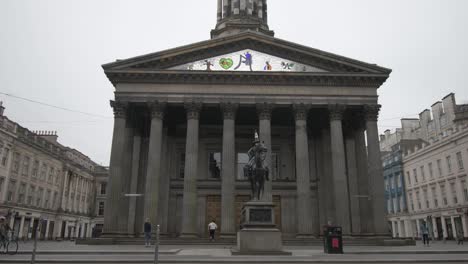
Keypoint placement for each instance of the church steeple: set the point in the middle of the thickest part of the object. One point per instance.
(235, 16)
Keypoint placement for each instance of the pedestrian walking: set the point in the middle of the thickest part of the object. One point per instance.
(147, 230)
(425, 234)
(212, 228)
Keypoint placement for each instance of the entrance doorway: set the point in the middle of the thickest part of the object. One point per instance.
(439, 230)
(449, 228)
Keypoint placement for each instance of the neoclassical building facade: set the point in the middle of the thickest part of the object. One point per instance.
(185, 118)
(45, 184)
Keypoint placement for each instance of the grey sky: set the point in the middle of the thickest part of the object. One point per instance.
(51, 51)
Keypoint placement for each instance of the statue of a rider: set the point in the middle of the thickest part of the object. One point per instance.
(256, 170)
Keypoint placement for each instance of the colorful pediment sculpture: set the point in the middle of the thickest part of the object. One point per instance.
(247, 60)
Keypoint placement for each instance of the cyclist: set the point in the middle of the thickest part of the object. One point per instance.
(4, 228)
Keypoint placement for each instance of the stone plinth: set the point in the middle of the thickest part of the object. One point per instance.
(259, 235)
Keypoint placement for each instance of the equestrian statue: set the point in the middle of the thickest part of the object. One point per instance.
(256, 170)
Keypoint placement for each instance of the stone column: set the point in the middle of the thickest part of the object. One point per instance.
(189, 204)
(418, 228)
(454, 228)
(228, 167)
(220, 10)
(464, 225)
(30, 229)
(133, 183)
(444, 228)
(114, 185)
(304, 206)
(46, 236)
(353, 185)
(264, 115)
(363, 180)
(340, 182)
(435, 232)
(65, 235)
(375, 170)
(153, 172)
(21, 228)
(66, 179)
(75, 203)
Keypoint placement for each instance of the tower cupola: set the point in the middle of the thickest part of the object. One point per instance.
(235, 16)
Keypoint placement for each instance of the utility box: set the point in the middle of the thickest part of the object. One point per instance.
(333, 240)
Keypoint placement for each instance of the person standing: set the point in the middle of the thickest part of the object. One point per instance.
(425, 233)
(212, 228)
(147, 230)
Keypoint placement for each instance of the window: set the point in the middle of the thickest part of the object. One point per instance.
(32, 190)
(431, 173)
(35, 168)
(2, 180)
(460, 161)
(50, 178)
(418, 199)
(11, 190)
(444, 194)
(454, 193)
(409, 177)
(465, 191)
(410, 196)
(275, 166)
(426, 198)
(21, 192)
(42, 176)
(26, 161)
(47, 199)
(101, 208)
(439, 167)
(6, 152)
(103, 188)
(434, 195)
(54, 200)
(422, 173)
(415, 173)
(39, 197)
(449, 164)
(242, 160)
(398, 177)
(214, 165)
(181, 165)
(16, 162)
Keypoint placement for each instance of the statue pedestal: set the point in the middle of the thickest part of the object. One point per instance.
(258, 234)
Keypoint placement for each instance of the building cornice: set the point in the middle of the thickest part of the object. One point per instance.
(370, 80)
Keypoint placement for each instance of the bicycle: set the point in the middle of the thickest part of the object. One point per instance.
(9, 245)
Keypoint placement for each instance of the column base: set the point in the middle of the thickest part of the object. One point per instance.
(311, 236)
(228, 235)
(189, 235)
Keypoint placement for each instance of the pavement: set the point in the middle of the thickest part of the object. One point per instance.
(68, 253)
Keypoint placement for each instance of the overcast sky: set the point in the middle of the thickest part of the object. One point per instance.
(52, 51)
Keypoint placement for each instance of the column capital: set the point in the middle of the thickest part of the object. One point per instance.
(157, 109)
(120, 108)
(300, 111)
(372, 112)
(193, 109)
(229, 110)
(336, 111)
(264, 110)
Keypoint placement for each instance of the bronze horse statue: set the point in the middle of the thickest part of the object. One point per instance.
(256, 170)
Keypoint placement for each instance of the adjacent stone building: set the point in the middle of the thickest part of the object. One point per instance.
(185, 118)
(434, 169)
(42, 179)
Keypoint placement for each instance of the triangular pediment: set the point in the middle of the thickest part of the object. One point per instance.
(265, 49)
(246, 60)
